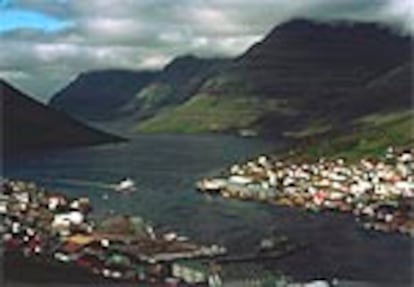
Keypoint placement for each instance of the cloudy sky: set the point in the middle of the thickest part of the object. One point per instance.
(44, 44)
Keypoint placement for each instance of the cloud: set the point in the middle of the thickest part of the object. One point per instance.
(148, 33)
(400, 11)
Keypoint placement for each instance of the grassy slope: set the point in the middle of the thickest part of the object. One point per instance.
(205, 113)
(370, 136)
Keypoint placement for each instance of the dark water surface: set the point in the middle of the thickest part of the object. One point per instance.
(165, 168)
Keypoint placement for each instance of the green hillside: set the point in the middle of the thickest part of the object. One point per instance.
(370, 135)
(205, 113)
(304, 79)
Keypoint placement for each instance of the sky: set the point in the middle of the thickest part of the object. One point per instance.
(45, 44)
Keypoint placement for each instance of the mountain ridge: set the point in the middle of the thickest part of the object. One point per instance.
(101, 95)
(28, 124)
(97, 95)
(302, 72)
(175, 84)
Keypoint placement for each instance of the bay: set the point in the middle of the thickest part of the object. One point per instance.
(166, 167)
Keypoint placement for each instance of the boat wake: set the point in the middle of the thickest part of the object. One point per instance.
(81, 183)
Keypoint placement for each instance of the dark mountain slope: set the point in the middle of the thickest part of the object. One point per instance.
(308, 59)
(390, 92)
(27, 124)
(99, 95)
(303, 74)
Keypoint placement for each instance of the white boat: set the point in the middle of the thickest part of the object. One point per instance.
(210, 185)
(126, 184)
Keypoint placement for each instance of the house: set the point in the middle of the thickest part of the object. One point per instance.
(190, 271)
(4, 199)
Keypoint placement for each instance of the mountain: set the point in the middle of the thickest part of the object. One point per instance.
(99, 95)
(304, 75)
(175, 84)
(28, 124)
(105, 96)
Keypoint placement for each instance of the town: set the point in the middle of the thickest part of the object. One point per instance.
(49, 225)
(378, 192)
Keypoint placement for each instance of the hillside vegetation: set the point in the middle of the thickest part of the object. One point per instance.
(370, 136)
(214, 114)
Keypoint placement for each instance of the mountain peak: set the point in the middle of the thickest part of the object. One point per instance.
(334, 28)
(187, 61)
(362, 40)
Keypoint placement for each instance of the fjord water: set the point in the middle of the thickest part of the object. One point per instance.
(165, 168)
